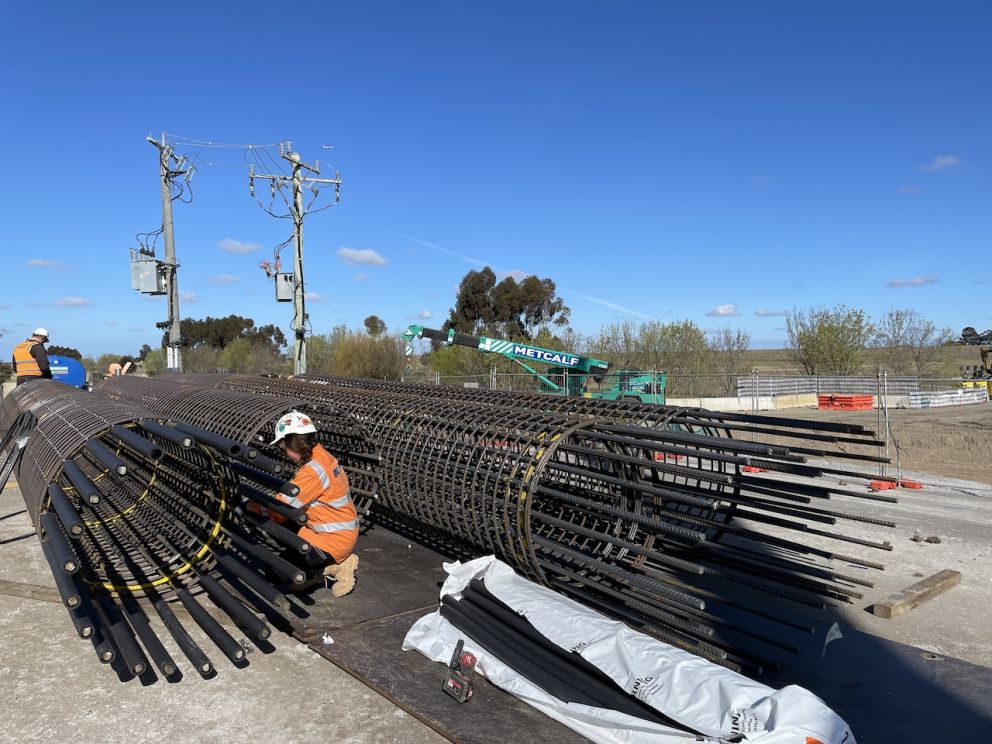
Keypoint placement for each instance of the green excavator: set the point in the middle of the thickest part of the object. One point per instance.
(571, 374)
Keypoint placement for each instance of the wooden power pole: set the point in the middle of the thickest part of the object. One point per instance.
(297, 211)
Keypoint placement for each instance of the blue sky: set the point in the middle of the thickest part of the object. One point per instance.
(717, 161)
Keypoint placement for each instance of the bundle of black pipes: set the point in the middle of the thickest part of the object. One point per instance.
(135, 510)
(245, 417)
(654, 521)
(563, 674)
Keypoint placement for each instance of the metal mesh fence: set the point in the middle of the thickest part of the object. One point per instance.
(675, 387)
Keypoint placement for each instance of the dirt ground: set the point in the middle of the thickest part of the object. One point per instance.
(951, 442)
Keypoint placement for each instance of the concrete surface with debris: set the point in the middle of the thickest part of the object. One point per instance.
(54, 689)
(878, 672)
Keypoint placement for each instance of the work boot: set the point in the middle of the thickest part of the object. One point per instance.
(344, 575)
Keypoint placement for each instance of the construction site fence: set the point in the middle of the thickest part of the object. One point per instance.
(702, 386)
(681, 386)
(824, 385)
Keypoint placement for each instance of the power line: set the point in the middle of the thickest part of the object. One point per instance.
(207, 143)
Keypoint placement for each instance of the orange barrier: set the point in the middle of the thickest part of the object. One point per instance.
(846, 402)
(662, 456)
(906, 483)
(877, 485)
(752, 469)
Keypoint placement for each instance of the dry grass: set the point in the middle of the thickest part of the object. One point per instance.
(781, 361)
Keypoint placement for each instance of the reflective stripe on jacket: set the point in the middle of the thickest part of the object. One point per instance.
(325, 494)
(25, 365)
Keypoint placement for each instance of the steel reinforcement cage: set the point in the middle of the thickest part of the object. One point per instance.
(658, 516)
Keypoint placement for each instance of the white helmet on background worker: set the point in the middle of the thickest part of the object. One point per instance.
(294, 422)
(41, 333)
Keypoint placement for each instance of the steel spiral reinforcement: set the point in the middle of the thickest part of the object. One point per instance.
(671, 519)
(140, 511)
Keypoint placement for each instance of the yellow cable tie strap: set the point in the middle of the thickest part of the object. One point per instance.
(110, 586)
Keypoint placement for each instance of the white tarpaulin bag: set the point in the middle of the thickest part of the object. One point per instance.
(717, 703)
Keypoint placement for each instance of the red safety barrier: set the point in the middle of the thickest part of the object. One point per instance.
(877, 485)
(906, 483)
(846, 402)
(752, 469)
(662, 456)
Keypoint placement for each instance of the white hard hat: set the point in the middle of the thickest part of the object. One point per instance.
(294, 422)
(43, 332)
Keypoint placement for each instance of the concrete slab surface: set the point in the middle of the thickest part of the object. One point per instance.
(54, 689)
(923, 677)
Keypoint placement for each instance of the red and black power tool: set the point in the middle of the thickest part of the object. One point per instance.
(458, 683)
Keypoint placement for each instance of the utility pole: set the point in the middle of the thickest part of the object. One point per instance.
(297, 212)
(170, 266)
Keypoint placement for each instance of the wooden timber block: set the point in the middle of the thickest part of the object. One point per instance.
(902, 602)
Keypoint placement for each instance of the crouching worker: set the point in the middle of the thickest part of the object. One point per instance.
(332, 520)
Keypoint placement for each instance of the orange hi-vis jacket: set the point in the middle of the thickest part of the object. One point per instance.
(25, 365)
(332, 520)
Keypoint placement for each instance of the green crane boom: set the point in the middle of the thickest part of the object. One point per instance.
(516, 352)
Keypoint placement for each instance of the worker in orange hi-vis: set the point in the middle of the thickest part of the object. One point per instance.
(332, 520)
(30, 360)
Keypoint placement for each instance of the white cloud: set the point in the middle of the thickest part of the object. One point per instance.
(517, 274)
(910, 190)
(224, 279)
(359, 256)
(44, 263)
(230, 245)
(188, 297)
(764, 313)
(941, 162)
(361, 277)
(723, 311)
(71, 301)
(425, 314)
(314, 297)
(916, 281)
(110, 322)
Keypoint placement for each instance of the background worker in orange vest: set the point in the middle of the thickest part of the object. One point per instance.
(332, 520)
(30, 359)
